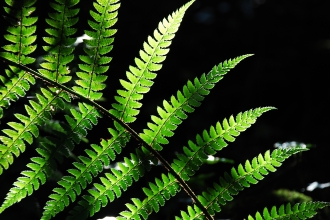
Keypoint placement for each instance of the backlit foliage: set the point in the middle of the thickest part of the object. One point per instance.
(71, 91)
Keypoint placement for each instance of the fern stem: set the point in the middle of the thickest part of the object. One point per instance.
(183, 184)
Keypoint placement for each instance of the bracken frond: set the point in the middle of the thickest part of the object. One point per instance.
(186, 101)
(140, 78)
(299, 211)
(240, 178)
(91, 76)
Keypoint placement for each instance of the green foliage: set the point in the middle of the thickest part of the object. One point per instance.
(59, 49)
(91, 79)
(81, 184)
(303, 210)
(15, 82)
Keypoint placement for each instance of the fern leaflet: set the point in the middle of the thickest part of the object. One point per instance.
(112, 185)
(13, 143)
(15, 86)
(210, 142)
(140, 78)
(239, 178)
(91, 79)
(163, 190)
(185, 102)
(60, 47)
(20, 34)
(303, 210)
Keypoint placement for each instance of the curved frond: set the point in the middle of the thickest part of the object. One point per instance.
(52, 151)
(157, 194)
(141, 76)
(20, 34)
(240, 178)
(303, 210)
(19, 133)
(215, 140)
(14, 86)
(186, 101)
(88, 167)
(91, 79)
(60, 47)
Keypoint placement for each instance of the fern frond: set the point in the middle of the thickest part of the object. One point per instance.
(60, 43)
(14, 86)
(21, 32)
(215, 140)
(88, 167)
(185, 102)
(141, 76)
(201, 87)
(52, 151)
(240, 178)
(303, 210)
(14, 142)
(112, 185)
(157, 194)
(91, 79)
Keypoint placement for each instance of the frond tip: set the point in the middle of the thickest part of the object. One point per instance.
(186, 100)
(209, 143)
(95, 62)
(140, 78)
(303, 210)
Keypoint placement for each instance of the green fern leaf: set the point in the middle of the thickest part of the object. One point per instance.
(140, 77)
(90, 165)
(91, 79)
(14, 142)
(156, 196)
(21, 32)
(14, 86)
(60, 47)
(304, 210)
(20, 35)
(185, 102)
(112, 185)
(52, 151)
(210, 142)
(217, 196)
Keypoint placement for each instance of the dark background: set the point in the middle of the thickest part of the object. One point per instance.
(291, 42)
